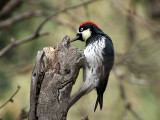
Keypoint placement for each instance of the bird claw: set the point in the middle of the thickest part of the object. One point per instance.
(81, 61)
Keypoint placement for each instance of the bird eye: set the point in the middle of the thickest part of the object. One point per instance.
(81, 29)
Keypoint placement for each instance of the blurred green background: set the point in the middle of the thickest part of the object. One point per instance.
(133, 25)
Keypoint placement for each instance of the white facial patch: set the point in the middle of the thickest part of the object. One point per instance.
(86, 34)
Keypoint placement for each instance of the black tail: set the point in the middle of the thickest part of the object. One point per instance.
(99, 100)
(96, 103)
(100, 90)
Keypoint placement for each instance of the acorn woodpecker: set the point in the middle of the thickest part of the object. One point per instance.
(99, 54)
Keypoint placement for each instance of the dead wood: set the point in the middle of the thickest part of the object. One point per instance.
(53, 76)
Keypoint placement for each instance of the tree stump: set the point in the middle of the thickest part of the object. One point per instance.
(53, 76)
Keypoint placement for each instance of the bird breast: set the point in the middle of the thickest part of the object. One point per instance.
(93, 53)
(93, 69)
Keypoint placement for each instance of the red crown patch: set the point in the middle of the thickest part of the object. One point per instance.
(89, 22)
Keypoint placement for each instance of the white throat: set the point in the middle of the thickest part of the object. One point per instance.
(86, 34)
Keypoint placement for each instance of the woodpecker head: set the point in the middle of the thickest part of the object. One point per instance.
(86, 30)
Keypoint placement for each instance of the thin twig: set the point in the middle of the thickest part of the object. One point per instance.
(9, 7)
(37, 32)
(87, 12)
(123, 94)
(63, 10)
(127, 104)
(147, 23)
(137, 81)
(19, 17)
(19, 42)
(73, 17)
(34, 13)
(11, 98)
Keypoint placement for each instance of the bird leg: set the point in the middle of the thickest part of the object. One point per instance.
(81, 62)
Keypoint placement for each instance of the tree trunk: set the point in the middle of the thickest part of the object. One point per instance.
(54, 73)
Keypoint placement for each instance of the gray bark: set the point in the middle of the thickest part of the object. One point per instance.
(53, 76)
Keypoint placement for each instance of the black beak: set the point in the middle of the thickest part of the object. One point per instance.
(78, 37)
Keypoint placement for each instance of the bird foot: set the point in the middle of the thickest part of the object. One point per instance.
(81, 61)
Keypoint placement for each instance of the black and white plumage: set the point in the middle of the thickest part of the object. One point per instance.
(99, 54)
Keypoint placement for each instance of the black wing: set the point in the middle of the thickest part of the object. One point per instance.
(108, 60)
